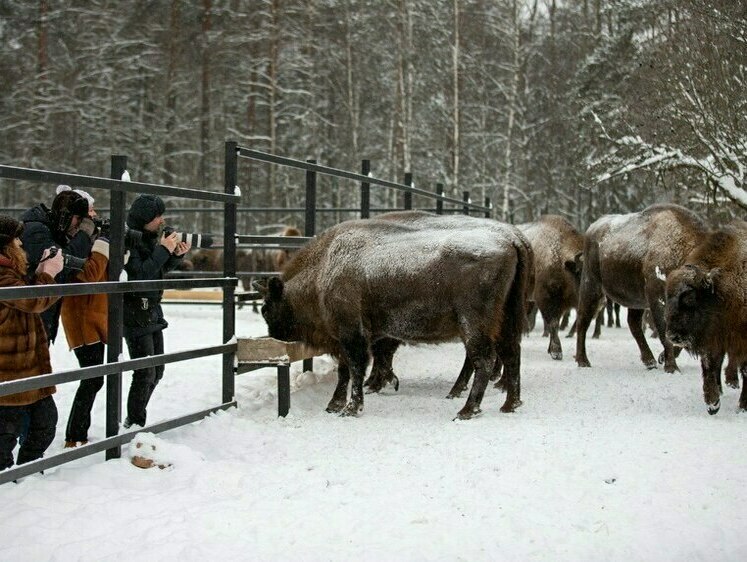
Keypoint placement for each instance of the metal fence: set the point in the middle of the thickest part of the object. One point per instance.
(114, 367)
(229, 199)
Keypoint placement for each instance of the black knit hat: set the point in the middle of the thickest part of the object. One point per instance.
(143, 210)
(10, 229)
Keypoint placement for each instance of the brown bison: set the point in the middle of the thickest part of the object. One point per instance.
(627, 257)
(706, 308)
(406, 277)
(558, 249)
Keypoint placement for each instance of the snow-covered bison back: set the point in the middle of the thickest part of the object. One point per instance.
(627, 258)
(706, 309)
(412, 277)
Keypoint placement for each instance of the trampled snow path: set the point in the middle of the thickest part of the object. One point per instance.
(608, 463)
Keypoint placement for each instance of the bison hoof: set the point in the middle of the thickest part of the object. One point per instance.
(510, 406)
(557, 355)
(352, 409)
(650, 363)
(335, 406)
(500, 384)
(732, 383)
(671, 368)
(714, 408)
(582, 362)
(456, 391)
(468, 413)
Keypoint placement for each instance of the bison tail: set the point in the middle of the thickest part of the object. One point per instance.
(515, 311)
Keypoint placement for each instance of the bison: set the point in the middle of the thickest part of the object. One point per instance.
(408, 277)
(627, 257)
(706, 308)
(558, 249)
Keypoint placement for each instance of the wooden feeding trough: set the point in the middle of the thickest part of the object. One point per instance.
(258, 353)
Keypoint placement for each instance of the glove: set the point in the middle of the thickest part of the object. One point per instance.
(87, 226)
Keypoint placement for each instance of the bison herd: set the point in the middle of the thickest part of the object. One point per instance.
(363, 287)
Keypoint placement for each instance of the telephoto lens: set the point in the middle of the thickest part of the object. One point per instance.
(195, 239)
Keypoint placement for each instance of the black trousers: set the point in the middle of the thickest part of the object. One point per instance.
(144, 381)
(80, 413)
(37, 421)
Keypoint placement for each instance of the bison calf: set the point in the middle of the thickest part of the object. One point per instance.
(706, 310)
(407, 277)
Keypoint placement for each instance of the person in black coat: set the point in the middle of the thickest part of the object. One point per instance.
(150, 258)
(67, 226)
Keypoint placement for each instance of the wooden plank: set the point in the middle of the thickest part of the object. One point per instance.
(266, 349)
(192, 295)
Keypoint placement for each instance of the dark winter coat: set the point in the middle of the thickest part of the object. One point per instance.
(23, 343)
(148, 261)
(38, 236)
(85, 317)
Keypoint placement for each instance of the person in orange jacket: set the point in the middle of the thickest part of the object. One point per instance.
(84, 319)
(28, 417)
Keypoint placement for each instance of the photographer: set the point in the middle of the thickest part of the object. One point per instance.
(66, 226)
(150, 258)
(85, 321)
(28, 417)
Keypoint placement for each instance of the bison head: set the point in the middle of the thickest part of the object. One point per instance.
(691, 307)
(276, 310)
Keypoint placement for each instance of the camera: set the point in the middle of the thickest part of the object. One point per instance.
(104, 226)
(196, 240)
(68, 261)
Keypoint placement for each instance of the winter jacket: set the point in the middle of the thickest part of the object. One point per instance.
(37, 236)
(23, 343)
(84, 317)
(149, 261)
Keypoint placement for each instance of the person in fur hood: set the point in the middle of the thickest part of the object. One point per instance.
(67, 226)
(30, 416)
(85, 321)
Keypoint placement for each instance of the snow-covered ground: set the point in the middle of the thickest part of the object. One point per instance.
(609, 463)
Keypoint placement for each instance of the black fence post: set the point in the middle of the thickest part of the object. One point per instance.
(408, 194)
(488, 212)
(465, 198)
(118, 200)
(365, 190)
(230, 175)
(439, 201)
(310, 228)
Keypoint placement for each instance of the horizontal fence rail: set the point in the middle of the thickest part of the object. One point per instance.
(44, 176)
(70, 289)
(326, 170)
(83, 373)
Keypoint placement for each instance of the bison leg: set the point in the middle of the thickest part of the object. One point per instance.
(565, 320)
(731, 378)
(554, 348)
(382, 372)
(588, 303)
(635, 323)
(572, 331)
(509, 353)
(462, 380)
(355, 349)
(711, 368)
(481, 353)
(743, 394)
(609, 306)
(340, 395)
(598, 325)
(496, 376)
(531, 315)
(656, 312)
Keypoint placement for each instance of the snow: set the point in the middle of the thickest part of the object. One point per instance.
(609, 463)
